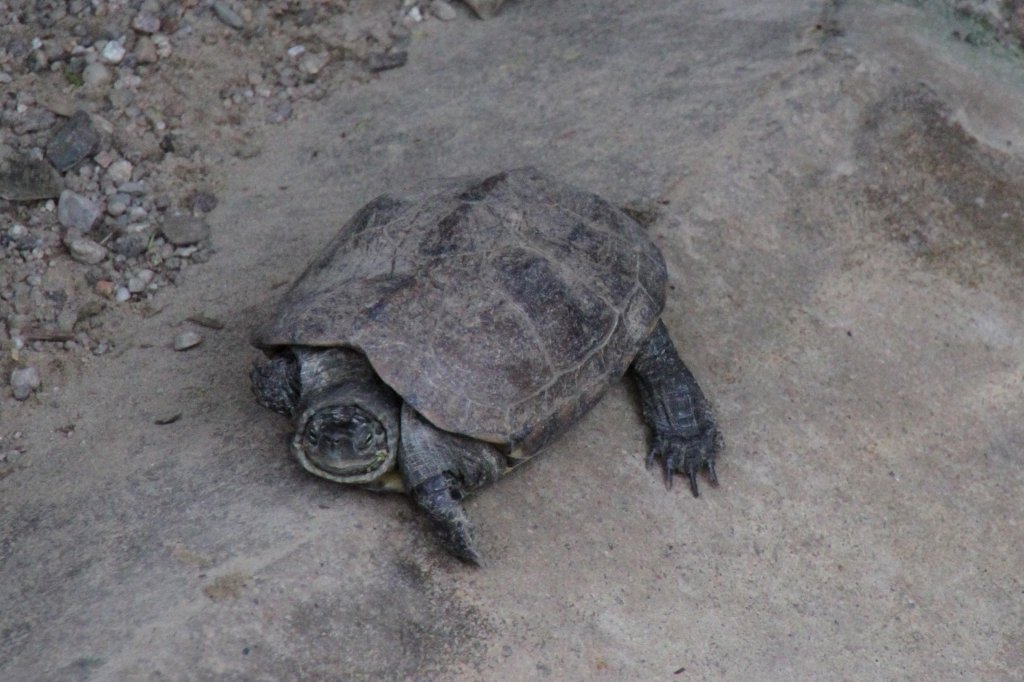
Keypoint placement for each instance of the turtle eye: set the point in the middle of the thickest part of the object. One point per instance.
(368, 440)
(313, 435)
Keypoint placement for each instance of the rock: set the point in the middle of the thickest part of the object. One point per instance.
(76, 212)
(96, 75)
(181, 230)
(122, 295)
(130, 245)
(75, 140)
(120, 172)
(442, 10)
(86, 251)
(228, 16)
(136, 187)
(145, 51)
(26, 179)
(314, 62)
(186, 340)
(24, 382)
(118, 204)
(105, 288)
(113, 52)
(382, 61)
(138, 283)
(485, 9)
(144, 22)
(203, 202)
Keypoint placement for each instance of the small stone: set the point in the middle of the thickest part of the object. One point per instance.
(24, 382)
(86, 251)
(118, 204)
(382, 61)
(104, 288)
(120, 172)
(145, 51)
(203, 202)
(442, 10)
(296, 51)
(485, 9)
(26, 179)
(122, 294)
(228, 16)
(186, 340)
(144, 22)
(136, 187)
(113, 52)
(76, 139)
(17, 230)
(314, 62)
(181, 230)
(138, 283)
(77, 212)
(96, 75)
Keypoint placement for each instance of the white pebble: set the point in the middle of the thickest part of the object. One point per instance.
(113, 52)
(122, 294)
(120, 171)
(186, 340)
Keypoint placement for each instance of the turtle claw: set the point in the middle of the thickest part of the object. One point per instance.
(686, 455)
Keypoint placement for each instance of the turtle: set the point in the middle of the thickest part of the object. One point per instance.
(449, 333)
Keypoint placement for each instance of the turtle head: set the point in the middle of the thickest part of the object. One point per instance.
(344, 443)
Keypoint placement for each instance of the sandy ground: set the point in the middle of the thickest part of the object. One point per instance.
(842, 202)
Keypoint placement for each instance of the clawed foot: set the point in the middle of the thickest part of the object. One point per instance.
(687, 455)
(439, 499)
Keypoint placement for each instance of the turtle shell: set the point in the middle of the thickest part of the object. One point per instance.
(500, 308)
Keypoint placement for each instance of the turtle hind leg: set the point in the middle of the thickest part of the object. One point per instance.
(686, 438)
(275, 382)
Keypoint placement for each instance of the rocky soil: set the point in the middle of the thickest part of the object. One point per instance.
(114, 117)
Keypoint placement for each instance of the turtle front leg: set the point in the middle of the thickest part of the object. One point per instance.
(686, 437)
(440, 468)
(275, 382)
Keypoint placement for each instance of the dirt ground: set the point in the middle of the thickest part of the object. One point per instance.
(841, 195)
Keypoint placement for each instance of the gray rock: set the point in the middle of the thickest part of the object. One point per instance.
(120, 171)
(96, 75)
(485, 9)
(145, 51)
(144, 22)
(76, 212)
(113, 52)
(227, 15)
(186, 340)
(26, 179)
(24, 382)
(118, 204)
(140, 280)
(86, 251)
(382, 61)
(75, 140)
(181, 230)
(135, 187)
(442, 10)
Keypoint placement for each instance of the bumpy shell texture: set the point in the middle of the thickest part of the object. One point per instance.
(500, 308)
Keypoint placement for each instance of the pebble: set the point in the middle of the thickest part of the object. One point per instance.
(138, 283)
(442, 10)
(145, 51)
(96, 75)
(203, 202)
(314, 62)
(76, 212)
(136, 187)
(118, 204)
(24, 382)
(382, 61)
(228, 16)
(74, 141)
(104, 288)
(120, 172)
(145, 22)
(26, 179)
(122, 294)
(186, 340)
(113, 52)
(86, 251)
(181, 230)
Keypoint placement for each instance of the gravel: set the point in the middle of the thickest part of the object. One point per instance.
(74, 141)
(85, 250)
(24, 382)
(77, 212)
(186, 340)
(182, 230)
